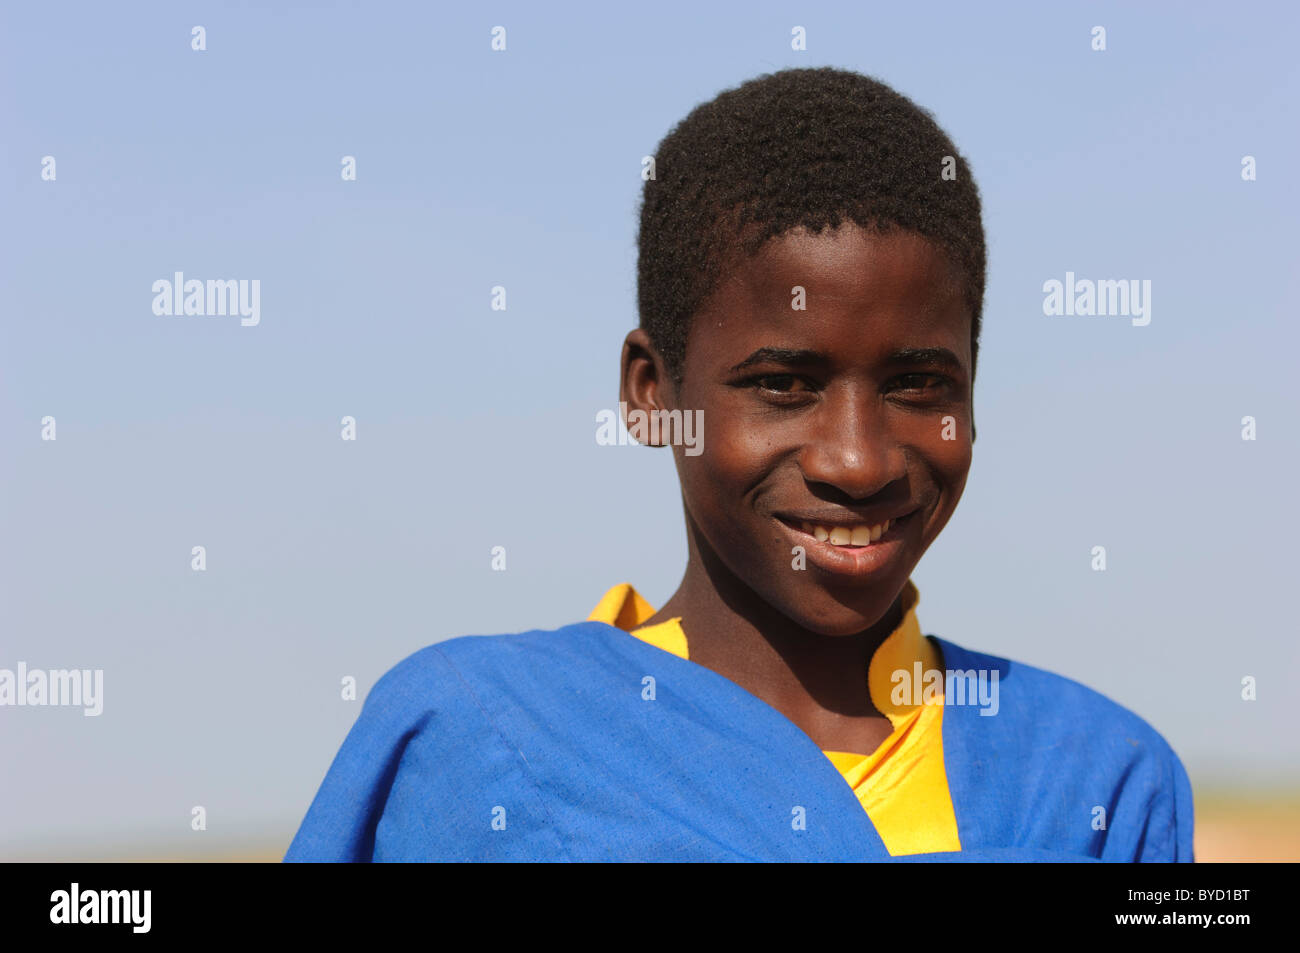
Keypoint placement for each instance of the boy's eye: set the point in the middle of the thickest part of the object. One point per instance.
(792, 385)
(922, 382)
(780, 383)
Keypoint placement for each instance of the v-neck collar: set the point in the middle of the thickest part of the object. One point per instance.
(902, 785)
(901, 651)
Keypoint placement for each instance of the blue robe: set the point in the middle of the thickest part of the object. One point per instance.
(546, 746)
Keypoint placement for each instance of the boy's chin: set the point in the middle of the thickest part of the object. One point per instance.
(825, 614)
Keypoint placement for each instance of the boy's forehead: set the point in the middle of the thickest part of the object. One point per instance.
(850, 261)
(801, 281)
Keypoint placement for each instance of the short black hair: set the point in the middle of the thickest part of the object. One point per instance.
(796, 147)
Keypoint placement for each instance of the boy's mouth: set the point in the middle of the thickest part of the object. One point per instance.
(861, 535)
(849, 534)
(849, 546)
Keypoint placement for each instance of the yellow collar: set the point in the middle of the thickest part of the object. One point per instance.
(625, 608)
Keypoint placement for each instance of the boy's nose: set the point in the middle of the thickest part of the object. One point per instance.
(849, 446)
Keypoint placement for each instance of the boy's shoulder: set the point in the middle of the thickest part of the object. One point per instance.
(1097, 775)
(456, 669)
(1046, 703)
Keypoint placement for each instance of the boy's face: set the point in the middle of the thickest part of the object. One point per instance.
(821, 421)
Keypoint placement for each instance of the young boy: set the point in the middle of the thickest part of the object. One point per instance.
(811, 279)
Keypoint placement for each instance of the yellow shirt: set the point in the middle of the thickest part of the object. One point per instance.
(902, 785)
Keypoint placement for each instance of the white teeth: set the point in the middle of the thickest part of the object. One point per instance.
(847, 536)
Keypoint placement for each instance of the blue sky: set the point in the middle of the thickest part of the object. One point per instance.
(476, 427)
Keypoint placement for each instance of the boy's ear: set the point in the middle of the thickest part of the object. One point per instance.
(972, 414)
(644, 383)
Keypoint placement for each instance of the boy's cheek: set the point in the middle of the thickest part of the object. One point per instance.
(946, 441)
(725, 454)
(953, 456)
(950, 461)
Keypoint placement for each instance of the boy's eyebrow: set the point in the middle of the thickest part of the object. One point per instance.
(933, 356)
(780, 355)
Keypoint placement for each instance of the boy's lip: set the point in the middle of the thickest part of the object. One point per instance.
(847, 518)
(850, 561)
